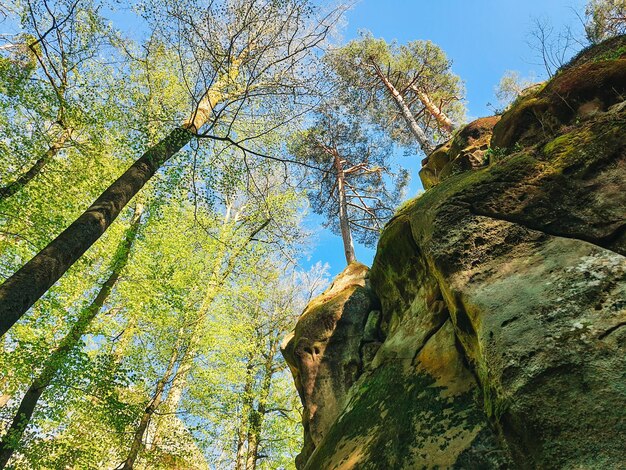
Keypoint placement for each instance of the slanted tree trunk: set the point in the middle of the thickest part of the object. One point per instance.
(4, 397)
(11, 188)
(185, 361)
(124, 340)
(58, 357)
(416, 130)
(20, 291)
(29, 283)
(258, 415)
(344, 223)
(153, 404)
(442, 118)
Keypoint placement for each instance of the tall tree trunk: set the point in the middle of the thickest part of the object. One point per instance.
(179, 382)
(219, 273)
(418, 132)
(344, 224)
(20, 291)
(246, 408)
(153, 404)
(25, 178)
(59, 355)
(258, 415)
(217, 276)
(434, 110)
(29, 283)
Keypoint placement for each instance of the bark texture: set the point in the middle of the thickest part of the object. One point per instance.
(56, 360)
(435, 111)
(29, 283)
(344, 223)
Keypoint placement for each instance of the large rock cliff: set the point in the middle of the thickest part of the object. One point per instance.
(490, 331)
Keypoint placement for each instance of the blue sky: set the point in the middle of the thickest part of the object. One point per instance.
(484, 39)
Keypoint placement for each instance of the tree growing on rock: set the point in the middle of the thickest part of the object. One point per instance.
(605, 19)
(357, 189)
(511, 85)
(409, 89)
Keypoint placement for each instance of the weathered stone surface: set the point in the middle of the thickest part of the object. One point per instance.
(433, 421)
(596, 76)
(465, 151)
(324, 351)
(502, 293)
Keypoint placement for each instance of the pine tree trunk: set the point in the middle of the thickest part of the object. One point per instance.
(344, 224)
(416, 130)
(20, 291)
(57, 358)
(25, 178)
(152, 406)
(444, 121)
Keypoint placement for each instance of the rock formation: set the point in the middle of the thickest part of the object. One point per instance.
(490, 332)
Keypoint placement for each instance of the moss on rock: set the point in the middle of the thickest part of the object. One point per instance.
(502, 298)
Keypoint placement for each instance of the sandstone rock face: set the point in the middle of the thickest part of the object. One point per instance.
(496, 303)
(465, 151)
(324, 351)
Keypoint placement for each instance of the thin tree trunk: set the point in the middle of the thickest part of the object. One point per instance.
(4, 381)
(179, 382)
(219, 273)
(246, 408)
(258, 415)
(59, 355)
(344, 224)
(124, 341)
(153, 404)
(441, 117)
(415, 128)
(25, 178)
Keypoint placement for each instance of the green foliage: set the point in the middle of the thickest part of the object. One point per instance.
(373, 186)
(605, 19)
(511, 86)
(494, 154)
(412, 67)
(220, 229)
